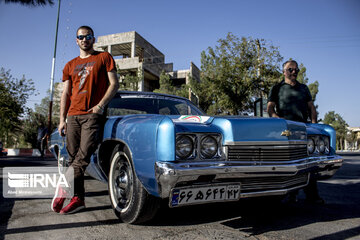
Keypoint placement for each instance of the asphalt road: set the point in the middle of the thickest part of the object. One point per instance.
(249, 219)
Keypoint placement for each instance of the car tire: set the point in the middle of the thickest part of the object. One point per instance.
(129, 199)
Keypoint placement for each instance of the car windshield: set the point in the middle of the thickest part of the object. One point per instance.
(150, 104)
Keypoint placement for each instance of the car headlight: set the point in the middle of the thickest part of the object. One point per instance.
(208, 147)
(184, 146)
(327, 145)
(310, 145)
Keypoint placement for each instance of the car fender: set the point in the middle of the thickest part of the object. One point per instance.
(149, 138)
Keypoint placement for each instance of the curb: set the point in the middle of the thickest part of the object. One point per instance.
(25, 152)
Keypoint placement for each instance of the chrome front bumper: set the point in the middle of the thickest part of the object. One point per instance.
(170, 174)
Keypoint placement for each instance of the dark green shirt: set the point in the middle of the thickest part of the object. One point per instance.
(291, 101)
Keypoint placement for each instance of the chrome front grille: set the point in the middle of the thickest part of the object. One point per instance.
(273, 183)
(267, 154)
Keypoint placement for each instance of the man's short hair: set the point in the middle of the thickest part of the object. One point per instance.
(87, 28)
(290, 61)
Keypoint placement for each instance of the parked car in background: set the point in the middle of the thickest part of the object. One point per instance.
(161, 147)
(2, 153)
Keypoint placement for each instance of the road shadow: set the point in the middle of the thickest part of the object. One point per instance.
(60, 226)
(97, 193)
(260, 218)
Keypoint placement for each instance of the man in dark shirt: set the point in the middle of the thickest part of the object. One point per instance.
(293, 101)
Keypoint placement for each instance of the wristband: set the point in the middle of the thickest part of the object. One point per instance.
(100, 107)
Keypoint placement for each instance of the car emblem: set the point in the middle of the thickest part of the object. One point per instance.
(286, 133)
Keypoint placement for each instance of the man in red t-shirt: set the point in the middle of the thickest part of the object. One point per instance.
(90, 81)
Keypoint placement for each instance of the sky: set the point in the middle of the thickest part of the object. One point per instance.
(323, 35)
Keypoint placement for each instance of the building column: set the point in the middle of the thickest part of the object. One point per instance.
(140, 74)
(133, 49)
(109, 49)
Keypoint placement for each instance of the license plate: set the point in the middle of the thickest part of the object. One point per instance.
(195, 195)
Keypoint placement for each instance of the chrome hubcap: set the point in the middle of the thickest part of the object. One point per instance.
(122, 182)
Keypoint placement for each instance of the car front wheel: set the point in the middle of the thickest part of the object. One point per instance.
(130, 201)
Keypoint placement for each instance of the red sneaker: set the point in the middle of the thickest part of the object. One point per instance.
(75, 205)
(59, 199)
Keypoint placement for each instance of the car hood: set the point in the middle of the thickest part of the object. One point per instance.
(237, 128)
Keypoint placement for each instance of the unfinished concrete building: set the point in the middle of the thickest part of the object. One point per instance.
(135, 56)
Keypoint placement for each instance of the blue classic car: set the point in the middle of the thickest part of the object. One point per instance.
(158, 146)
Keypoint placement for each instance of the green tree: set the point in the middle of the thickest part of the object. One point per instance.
(32, 3)
(165, 84)
(14, 94)
(167, 87)
(234, 72)
(339, 124)
(130, 83)
(39, 117)
(30, 127)
(351, 137)
(43, 107)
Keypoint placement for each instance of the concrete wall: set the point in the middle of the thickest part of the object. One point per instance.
(135, 53)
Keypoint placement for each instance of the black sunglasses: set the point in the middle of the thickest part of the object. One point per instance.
(293, 69)
(87, 37)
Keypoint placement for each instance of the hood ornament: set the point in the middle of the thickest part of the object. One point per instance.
(286, 133)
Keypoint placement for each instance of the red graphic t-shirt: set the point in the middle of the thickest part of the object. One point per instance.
(89, 80)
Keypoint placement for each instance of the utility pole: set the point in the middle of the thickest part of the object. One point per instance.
(259, 101)
(258, 53)
(53, 74)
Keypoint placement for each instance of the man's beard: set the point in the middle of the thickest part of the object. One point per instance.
(293, 76)
(86, 48)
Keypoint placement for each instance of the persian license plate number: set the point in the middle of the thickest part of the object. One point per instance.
(188, 196)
